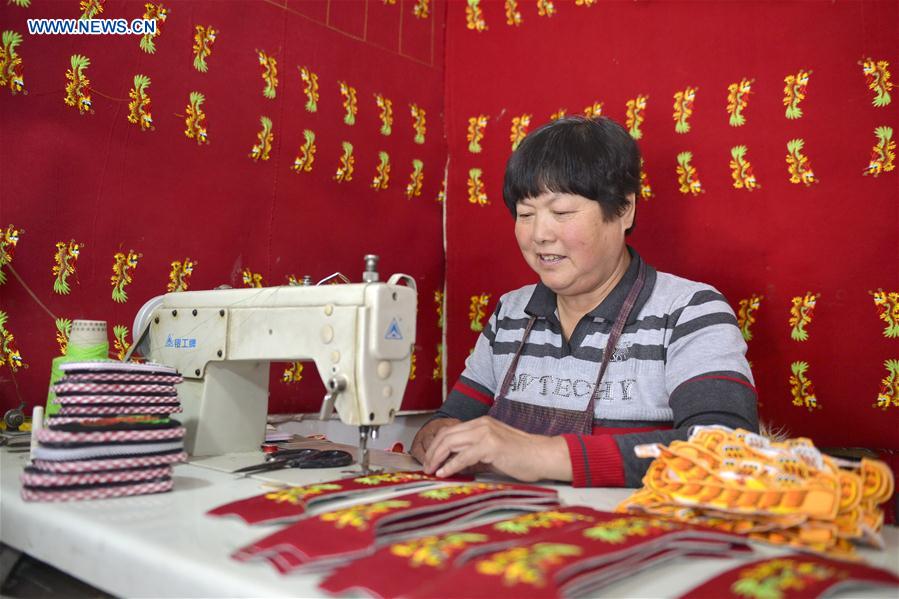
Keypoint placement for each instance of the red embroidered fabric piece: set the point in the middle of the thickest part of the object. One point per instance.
(614, 546)
(292, 502)
(808, 576)
(398, 568)
(352, 532)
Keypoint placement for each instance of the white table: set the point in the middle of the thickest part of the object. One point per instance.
(164, 546)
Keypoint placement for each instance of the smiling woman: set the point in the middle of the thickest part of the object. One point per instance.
(576, 253)
(604, 353)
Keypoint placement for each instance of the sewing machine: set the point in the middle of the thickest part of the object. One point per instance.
(360, 336)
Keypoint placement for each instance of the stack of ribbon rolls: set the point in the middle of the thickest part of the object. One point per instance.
(112, 436)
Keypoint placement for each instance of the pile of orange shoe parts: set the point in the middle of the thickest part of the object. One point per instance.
(785, 493)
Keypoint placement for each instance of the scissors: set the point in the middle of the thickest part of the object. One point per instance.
(299, 458)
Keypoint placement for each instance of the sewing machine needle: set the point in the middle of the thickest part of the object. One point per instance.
(363, 449)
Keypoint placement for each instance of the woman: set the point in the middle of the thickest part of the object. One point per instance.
(604, 353)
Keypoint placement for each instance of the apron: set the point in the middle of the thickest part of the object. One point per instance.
(542, 420)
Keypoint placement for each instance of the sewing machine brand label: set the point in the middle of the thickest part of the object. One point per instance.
(181, 342)
(393, 331)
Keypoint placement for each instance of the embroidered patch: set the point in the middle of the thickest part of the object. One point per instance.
(179, 275)
(877, 75)
(63, 328)
(545, 8)
(78, 85)
(11, 67)
(346, 165)
(798, 165)
(385, 106)
(475, 133)
(204, 37)
(263, 148)
(883, 153)
(645, 188)
(293, 373)
(520, 126)
(801, 311)
(887, 306)
(195, 121)
(437, 373)
(269, 74)
(794, 93)
(741, 170)
(476, 311)
(120, 344)
(64, 265)
(350, 105)
(157, 13)
(382, 172)
(594, 110)
(683, 108)
(738, 100)
(422, 9)
(310, 88)
(513, 15)
(418, 122)
(474, 16)
(91, 8)
(139, 106)
(303, 161)
(251, 279)
(9, 355)
(888, 393)
(746, 314)
(416, 177)
(801, 387)
(687, 177)
(122, 266)
(476, 189)
(9, 239)
(634, 116)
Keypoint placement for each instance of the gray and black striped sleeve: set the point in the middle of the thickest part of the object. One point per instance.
(472, 395)
(708, 378)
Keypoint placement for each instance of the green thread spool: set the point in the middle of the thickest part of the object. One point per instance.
(87, 341)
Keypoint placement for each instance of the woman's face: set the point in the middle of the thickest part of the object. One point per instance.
(564, 238)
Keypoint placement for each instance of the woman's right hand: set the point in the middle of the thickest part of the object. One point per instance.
(425, 436)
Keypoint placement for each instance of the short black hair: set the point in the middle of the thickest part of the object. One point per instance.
(591, 157)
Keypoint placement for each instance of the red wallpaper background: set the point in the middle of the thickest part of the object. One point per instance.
(838, 237)
(100, 180)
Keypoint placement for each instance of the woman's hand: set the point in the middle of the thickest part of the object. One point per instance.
(425, 436)
(505, 449)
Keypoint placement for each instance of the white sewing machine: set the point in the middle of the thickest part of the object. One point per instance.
(360, 336)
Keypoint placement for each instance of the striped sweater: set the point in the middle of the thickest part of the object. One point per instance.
(680, 362)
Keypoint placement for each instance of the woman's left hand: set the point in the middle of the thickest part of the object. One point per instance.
(505, 449)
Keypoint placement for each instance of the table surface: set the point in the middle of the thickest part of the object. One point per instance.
(164, 546)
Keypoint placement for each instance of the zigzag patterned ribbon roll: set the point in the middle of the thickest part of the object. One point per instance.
(35, 478)
(98, 493)
(101, 451)
(123, 377)
(118, 409)
(78, 466)
(78, 400)
(65, 387)
(167, 434)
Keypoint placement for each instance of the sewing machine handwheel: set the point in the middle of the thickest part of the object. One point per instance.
(14, 418)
